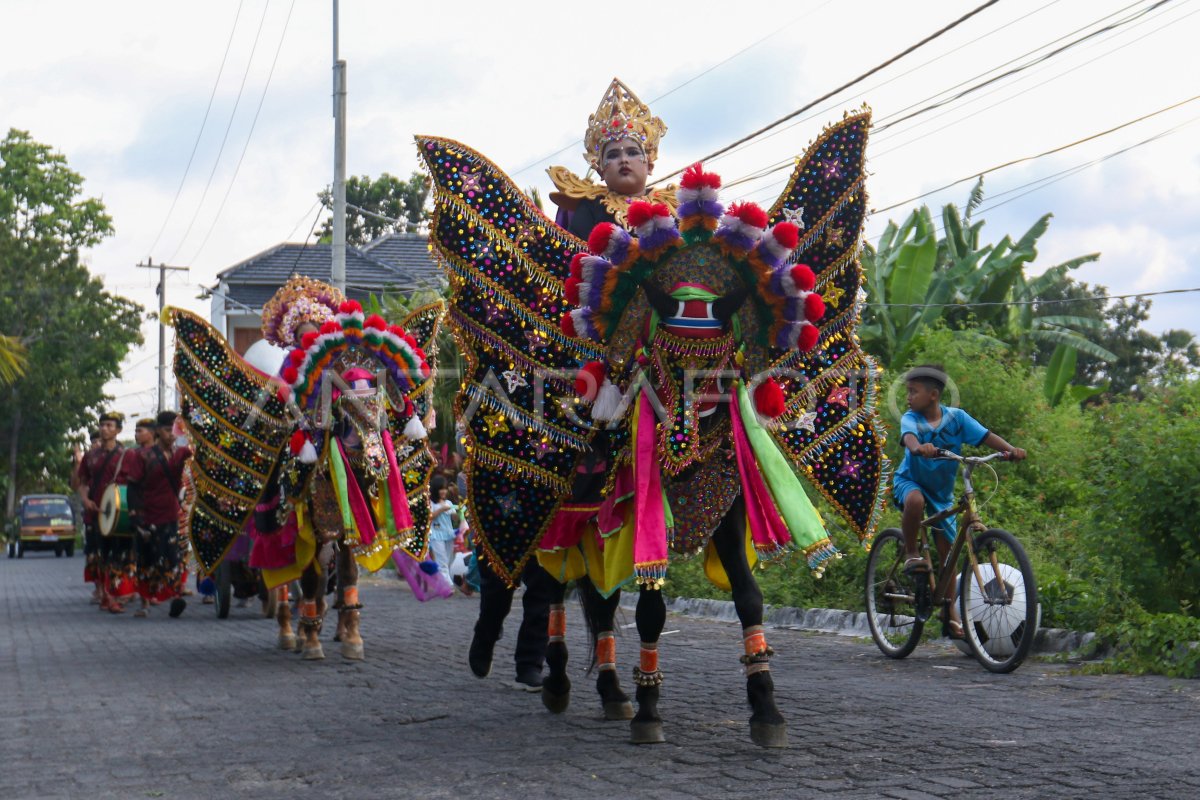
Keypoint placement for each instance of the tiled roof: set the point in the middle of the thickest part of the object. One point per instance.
(407, 267)
(408, 252)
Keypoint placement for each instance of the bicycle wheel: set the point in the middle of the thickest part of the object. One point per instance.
(891, 597)
(999, 607)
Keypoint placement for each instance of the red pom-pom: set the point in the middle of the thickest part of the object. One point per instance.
(567, 325)
(749, 214)
(290, 374)
(661, 210)
(639, 213)
(397, 330)
(306, 341)
(377, 322)
(409, 408)
(787, 234)
(694, 177)
(410, 340)
(808, 338)
(588, 380)
(576, 269)
(331, 327)
(420, 354)
(296, 444)
(814, 307)
(600, 236)
(803, 277)
(350, 307)
(296, 358)
(571, 289)
(768, 398)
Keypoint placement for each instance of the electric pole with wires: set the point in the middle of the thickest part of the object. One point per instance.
(162, 330)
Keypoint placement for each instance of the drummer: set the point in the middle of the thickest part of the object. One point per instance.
(155, 475)
(105, 558)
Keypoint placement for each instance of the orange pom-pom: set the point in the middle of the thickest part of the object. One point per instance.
(814, 307)
(803, 277)
(808, 338)
(787, 234)
(768, 398)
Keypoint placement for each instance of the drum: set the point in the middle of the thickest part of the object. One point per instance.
(114, 511)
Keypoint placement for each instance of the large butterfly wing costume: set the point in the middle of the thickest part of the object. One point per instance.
(507, 265)
(240, 432)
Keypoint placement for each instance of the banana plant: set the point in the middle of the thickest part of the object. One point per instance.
(914, 278)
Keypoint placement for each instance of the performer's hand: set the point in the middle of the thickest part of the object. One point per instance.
(1016, 454)
(89, 505)
(928, 450)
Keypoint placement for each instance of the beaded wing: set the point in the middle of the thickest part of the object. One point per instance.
(238, 428)
(507, 262)
(830, 427)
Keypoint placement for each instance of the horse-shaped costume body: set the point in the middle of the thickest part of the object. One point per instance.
(718, 368)
(331, 455)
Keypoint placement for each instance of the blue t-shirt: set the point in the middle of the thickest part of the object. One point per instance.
(936, 477)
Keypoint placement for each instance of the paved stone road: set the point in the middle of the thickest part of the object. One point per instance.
(98, 706)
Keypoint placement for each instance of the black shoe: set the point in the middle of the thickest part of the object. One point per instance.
(529, 680)
(177, 607)
(479, 657)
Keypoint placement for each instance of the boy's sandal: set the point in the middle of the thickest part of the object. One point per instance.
(953, 629)
(916, 566)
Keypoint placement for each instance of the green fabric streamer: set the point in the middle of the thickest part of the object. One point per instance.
(794, 506)
(339, 479)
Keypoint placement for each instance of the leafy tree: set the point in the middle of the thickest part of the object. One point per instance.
(914, 278)
(74, 334)
(12, 359)
(386, 204)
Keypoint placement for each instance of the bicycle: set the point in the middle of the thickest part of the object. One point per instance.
(997, 594)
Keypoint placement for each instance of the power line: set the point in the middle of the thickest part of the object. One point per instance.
(1058, 149)
(866, 92)
(249, 135)
(232, 114)
(1020, 68)
(200, 132)
(696, 77)
(300, 221)
(844, 86)
(1019, 93)
(876, 128)
(1105, 297)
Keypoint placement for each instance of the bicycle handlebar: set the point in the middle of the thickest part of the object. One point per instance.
(952, 456)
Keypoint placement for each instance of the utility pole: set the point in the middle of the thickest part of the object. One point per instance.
(338, 266)
(162, 329)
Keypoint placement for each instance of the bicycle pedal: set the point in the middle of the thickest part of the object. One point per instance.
(924, 603)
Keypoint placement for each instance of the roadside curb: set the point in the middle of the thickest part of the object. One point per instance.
(843, 623)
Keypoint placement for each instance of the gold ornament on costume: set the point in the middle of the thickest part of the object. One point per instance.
(572, 189)
(621, 115)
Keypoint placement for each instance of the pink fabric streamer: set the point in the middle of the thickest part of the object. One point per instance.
(363, 520)
(610, 517)
(650, 531)
(401, 514)
(424, 586)
(273, 550)
(567, 527)
(767, 528)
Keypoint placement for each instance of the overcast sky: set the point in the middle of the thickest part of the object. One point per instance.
(122, 90)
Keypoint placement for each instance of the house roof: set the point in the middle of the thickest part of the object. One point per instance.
(395, 262)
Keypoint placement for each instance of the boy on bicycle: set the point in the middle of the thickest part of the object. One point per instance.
(924, 485)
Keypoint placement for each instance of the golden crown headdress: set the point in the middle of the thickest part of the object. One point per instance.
(300, 300)
(621, 115)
